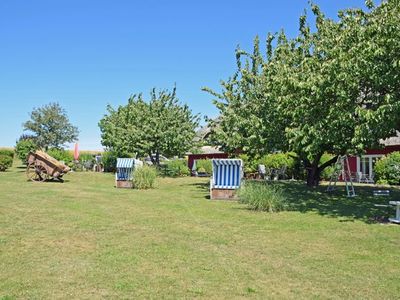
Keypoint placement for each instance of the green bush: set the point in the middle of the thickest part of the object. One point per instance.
(280, 160)
(86, 160)
(326, 174)
(382, 182)
(387, 169)
(7, 152)
(204, 164)
(262, 196)
(276, 160)
(144, 177)
(176, 168)
(61, 155)
(84, 156)
(109, 159)
(250, 165)
(5, 162)
(23, 148)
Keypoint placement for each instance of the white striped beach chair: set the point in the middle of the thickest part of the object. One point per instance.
(226, 179)
(124, 173)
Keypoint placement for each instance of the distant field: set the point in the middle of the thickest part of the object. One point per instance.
(85, 239)
(81, 151)
(89, 151)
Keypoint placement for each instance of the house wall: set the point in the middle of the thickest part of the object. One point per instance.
(386, 150)
(353, 163)
(354, 160)
(193, 157)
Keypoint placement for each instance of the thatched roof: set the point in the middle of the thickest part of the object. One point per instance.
(392, 141)
(210, 150)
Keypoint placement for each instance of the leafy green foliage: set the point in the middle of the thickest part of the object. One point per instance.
(387, 169)
(176, 168)
(277, 160)
(85, 157)
(144, 177)
(335, 90)
(109, 159)
(61, 155)
(328, 171)
(159, 126)
(5, 162)
(7, 152)
(23, 148)
(205, 165)
(250, 164)
(51, 126)
(262, 196)
(281, 160)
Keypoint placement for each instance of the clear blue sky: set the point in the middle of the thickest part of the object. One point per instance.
(87, 54)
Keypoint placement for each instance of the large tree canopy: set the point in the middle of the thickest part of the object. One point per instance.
(335, 89)
(51, 126)
(159, 126)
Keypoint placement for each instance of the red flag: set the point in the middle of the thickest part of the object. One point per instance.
(76, 152)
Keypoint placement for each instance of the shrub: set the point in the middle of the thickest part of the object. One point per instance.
(7, 152)
(278, 161)
(144, 177)
(109, 159)
(85, 157)
(204, 166)
(387, 169)
(262, 196)
(23, 148)
(176, 167)
(5, 162)
(61, 155)
(382, 182)
(250, 165)
(326, 174)
(86, 160)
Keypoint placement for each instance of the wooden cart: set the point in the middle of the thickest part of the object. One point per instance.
(42, 167)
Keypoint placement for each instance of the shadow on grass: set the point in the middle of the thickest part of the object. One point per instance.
(337, 204)
(49, 181)
(203, 187)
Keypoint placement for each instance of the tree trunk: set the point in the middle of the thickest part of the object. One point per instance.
(313, 172)
(153, 161)
(158, 158)
(313, 176)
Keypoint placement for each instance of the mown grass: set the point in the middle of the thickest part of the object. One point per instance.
(85, 239)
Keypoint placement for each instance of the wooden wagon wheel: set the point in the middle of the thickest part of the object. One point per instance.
(36, 173)
(42, 173)
(31, 172)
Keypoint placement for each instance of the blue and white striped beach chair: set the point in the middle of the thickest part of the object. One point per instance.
(125, 168)
(226, 179)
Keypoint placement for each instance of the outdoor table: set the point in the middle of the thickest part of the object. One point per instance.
(397, 218)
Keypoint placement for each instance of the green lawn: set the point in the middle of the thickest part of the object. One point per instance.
(86, 239)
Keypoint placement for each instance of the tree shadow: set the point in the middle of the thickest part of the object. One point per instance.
(337, 204)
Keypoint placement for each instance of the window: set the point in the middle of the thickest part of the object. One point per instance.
(366, 163)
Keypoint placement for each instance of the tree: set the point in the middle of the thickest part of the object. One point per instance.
(334, 90)
(51, 127)
(159, 126)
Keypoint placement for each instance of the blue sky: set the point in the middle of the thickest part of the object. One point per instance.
(87, 54)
